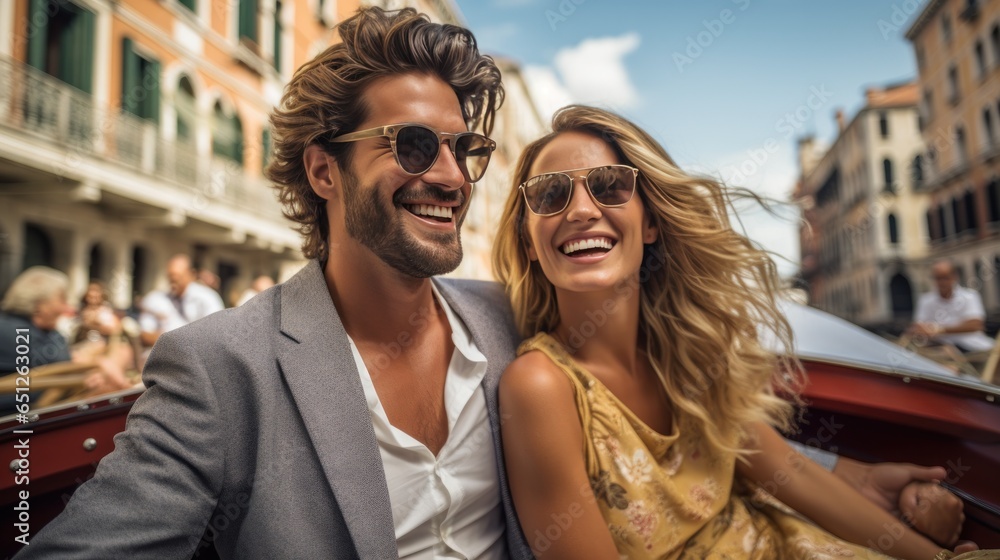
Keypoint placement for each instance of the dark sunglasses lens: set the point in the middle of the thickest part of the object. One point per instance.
(416, 148)
(548, 194)
(612, 186)
(472, 152)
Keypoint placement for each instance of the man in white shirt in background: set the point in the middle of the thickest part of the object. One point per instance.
(185, 302)
(951, 314)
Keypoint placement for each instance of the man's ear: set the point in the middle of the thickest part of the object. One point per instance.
(322, 171)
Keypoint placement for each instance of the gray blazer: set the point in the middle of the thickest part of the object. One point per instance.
(254, 431)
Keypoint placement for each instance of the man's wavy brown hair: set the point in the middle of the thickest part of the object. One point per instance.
(326, 98)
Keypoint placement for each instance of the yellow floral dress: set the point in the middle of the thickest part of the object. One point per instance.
(667, 496)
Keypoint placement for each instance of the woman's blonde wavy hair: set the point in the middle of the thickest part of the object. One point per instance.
(707, 294)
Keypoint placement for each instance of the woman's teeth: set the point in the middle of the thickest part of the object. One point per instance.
(584, 244)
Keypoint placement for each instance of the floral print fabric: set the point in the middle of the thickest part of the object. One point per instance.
(667, 496)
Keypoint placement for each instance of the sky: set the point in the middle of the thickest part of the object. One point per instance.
(727, 86)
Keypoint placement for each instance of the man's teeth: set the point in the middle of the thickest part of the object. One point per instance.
(429, 210)
(584, 244)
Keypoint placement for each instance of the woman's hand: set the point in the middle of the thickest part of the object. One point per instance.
(912, 491)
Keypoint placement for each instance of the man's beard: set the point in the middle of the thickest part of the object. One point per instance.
(376, 222)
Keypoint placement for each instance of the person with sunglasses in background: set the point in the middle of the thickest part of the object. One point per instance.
(641, 416)
(350, 412)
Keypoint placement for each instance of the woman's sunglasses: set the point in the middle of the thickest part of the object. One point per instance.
(417, 147)
(549, 193)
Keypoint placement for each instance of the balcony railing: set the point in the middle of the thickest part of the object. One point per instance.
(38, 105)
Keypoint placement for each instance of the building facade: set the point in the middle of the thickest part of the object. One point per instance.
(863, 238)
(957, 47)
(131, 130)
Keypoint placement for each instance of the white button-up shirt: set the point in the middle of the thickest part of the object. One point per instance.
(446, 506)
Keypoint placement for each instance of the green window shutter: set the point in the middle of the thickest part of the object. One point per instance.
(76, 49)
(131, 78)
(237, 140)
(265, 147)
(85, 50)
(277, 35)
(38, 26)
(152, 82)
(248, 19)
(190, 4)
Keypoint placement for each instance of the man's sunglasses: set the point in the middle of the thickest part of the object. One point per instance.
(417, 147)
(549, 193)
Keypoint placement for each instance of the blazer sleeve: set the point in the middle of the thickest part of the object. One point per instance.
(153, 495)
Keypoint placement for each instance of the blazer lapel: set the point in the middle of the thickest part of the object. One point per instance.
(318, 365)
(492, 329)
(493, 338)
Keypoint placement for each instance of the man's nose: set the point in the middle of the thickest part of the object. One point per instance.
(446, 171)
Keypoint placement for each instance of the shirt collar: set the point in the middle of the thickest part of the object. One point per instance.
(460, 335)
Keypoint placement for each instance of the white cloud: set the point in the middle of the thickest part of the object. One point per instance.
(592, 72)
(547, 91)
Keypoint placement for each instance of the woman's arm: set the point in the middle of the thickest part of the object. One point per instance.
(543, 450)
(827, 500)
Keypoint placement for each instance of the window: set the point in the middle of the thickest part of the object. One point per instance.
(960, 149)
(969, 204)
(953, 91)
(980, 60)
(887, 175)
(883, 125)
(276, 54)
(931, 229)
(943, 229)
(995, 44)
(928, 104)
(988, 126)
(918, 171)
(893, 230)
(140, 83)
(227, 135)
(63, 46)
(993, 200)
(946, 28)
(920, 57)
(958, 214)
(184, 105)
(248, 20)
(190, 4)
(901, 296)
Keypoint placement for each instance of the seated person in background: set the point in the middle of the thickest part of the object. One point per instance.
(35, 301)
(951, 314)
(100, 331)
(97, 317)
(654, 433)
